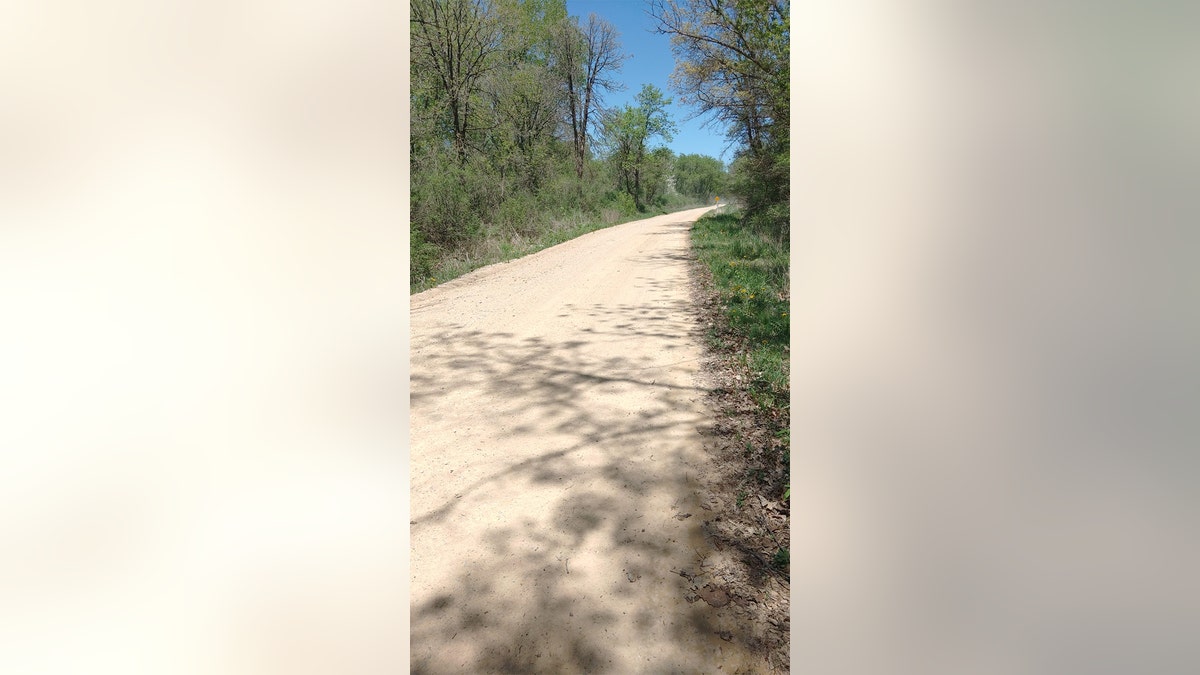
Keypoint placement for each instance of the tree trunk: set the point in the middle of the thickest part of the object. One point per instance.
(637, 188)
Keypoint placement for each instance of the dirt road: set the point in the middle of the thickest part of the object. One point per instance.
(557, 413)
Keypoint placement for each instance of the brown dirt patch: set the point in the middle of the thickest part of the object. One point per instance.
(744, 518)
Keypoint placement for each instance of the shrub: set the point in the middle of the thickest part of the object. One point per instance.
(422, 255)
(622, 202)
(519, 212)
(441, 209)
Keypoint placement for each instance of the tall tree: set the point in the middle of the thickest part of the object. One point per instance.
(453, 47)
(732, 63)
(656, 176)
(587, 58)
(523, 98)
(628, 133)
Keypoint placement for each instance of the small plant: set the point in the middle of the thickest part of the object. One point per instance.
(750, 274)
(741, 498)
(781, 558)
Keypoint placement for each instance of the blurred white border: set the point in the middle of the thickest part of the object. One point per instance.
(203, 358)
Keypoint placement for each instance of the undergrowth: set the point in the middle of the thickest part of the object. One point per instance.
(746, 273)
(510, 238)
(751, 276)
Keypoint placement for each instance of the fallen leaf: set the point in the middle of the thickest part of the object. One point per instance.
(713, 596)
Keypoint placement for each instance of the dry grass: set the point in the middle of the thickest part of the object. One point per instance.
(499, 243)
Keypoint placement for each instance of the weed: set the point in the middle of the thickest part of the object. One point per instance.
(781, 559)
(751, 275)
(741, 498)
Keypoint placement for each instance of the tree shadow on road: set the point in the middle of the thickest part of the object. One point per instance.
(615, 475)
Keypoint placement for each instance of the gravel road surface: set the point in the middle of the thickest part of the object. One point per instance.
(557, 420)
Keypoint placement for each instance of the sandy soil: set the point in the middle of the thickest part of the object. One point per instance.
(557, 430)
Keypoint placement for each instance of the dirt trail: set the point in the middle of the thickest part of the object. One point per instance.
(557, 413)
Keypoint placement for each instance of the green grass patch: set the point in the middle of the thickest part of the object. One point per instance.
(751, 274)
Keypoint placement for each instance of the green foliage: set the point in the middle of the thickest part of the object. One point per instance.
(584, 61)
(701, 177)
(442, 209)
(421, 255)
(455, 45)
(652, 106)
(518, 213)
(656, 175)
(761, 181)
(622, 202)
(732, 63)
(627, 132)
(751, 274)
(504, 95)
(782, 558)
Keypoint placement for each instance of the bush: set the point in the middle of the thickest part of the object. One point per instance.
(483, 186)
(560, 194)
(422, 255)
(519, 212)
(622, 202)
(761, 183)
(441, 208)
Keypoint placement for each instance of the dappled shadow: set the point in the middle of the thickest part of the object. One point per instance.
(557, 383)
(599, 436)
(662, 257)
(554, 522)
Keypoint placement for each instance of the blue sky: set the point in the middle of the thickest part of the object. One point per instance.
(651, 62)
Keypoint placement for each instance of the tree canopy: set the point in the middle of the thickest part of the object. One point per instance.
(509, 127)
(628, 133)
(732, 63)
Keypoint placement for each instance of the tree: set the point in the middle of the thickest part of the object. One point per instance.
(657, 174)
(586, 60)
(732, 63)
(505, 98)
(700, 176)
(453, 47)
(628, 132)
(524, 101)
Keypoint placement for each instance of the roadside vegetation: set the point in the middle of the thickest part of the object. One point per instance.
(732, 66)
(512, 148)
(741, 289)
(750, 276)
(499, 242)
(745, 276)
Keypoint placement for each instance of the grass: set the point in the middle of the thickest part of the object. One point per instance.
(500, 243)
(751, 275)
